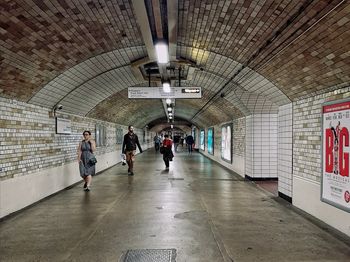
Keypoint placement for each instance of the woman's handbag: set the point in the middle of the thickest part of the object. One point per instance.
(162, 149)
(92, 160)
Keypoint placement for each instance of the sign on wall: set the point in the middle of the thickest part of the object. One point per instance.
(336, 154)
(211, 141)
(119, 135)
(100, 135)
(194, 134)
(63, 126)
(201, 139)
(226, 142)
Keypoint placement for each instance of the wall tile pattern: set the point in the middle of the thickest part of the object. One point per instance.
(41, 39)
(261, 145)
(299, 46)
(285, 149)
(28, 141)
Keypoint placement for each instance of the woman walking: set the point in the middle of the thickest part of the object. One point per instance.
(87, 159)
(167, 152)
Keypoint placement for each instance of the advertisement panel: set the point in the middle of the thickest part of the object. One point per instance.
(226, 142)
(335, 154)
(211, 141)
(201, 139)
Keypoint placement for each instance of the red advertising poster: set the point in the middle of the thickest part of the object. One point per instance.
(336, 154)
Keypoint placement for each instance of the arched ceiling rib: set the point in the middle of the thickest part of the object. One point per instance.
(225, 68)
(103, 74)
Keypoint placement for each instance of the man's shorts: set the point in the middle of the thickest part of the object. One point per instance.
(130, 155)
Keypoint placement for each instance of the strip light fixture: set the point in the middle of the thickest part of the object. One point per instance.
(166, 88)
(162, 53)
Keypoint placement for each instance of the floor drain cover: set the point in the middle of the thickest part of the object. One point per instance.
(150, 255)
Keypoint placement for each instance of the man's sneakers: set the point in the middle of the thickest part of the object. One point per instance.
(130, 173)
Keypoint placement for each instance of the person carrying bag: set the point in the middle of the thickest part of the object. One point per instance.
(86, 159)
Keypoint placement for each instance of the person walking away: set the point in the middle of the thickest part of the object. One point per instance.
(182, 142)
(157, 142)
(176, 142)
(167, 152)
(129, 149)
(189, 142)
(86, 159)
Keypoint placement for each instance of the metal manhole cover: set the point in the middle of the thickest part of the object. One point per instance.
(150, 255)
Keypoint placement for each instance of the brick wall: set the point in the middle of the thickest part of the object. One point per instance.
(307, 133)
(29, 143)
(239, 132)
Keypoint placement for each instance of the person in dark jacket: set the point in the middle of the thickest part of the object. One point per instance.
(129, 148)
(189, 142)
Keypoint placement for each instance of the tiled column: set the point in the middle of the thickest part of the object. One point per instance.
(261, 146)
(285, 151)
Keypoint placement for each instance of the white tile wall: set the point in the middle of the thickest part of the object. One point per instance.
(261, 145)
(285, 149)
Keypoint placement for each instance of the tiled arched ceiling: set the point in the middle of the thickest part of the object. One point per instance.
(83, 86)
(257, 54)
(218, 111)
(160, 124)
(120, 109)
(218, 70)
(42, 39)
(300, 46)
(256, 95)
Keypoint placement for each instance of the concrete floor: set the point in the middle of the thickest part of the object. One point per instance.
(198, 208)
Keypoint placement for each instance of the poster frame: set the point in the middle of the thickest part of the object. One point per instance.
(212, 142)
(119, 135)
(322, 197)
(202, 146)
(231, 141)
(63, 126)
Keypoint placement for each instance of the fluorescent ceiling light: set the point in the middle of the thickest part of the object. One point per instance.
(162, 53)
(170, 114)
(168, 101)
(171, 126)
(170, 109)
(166, 88)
